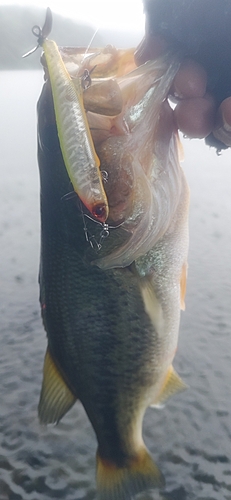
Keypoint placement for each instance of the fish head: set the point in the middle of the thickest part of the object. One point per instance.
(137, 148)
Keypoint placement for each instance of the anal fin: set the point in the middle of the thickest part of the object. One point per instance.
(172, 384)
(55, 398)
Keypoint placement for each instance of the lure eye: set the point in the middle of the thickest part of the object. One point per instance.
(100, 212)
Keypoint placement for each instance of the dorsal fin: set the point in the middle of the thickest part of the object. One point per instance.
(55, 398)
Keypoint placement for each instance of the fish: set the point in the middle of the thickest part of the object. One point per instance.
(80, 158)
(111, 296)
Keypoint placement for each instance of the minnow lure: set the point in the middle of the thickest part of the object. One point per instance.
(80, 158)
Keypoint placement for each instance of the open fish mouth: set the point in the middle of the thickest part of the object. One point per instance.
(137, 144)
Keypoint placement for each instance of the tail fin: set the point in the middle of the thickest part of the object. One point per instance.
(122, 483)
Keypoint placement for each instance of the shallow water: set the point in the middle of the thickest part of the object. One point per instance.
(190, 437)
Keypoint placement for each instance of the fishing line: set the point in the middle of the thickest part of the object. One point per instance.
(89, 45)
(86, 77)
(69, 196)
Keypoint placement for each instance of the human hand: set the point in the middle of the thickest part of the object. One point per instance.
(200, 110)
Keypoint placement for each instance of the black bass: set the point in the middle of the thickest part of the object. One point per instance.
(111, 309)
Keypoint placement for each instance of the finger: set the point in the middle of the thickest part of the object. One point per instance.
(151, 47)
(222, 130)
(196, 117)
(190, 81)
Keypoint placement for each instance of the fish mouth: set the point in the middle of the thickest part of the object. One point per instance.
(136, 141)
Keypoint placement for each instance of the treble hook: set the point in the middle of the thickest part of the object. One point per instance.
(104, 233)
(41, 33)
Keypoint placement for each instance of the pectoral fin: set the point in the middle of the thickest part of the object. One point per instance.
(172, 384)
(55, 398)
(152, 305)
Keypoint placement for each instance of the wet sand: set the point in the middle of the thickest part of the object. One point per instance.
(190, 437)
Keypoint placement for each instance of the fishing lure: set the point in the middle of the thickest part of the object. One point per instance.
(80, 158)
